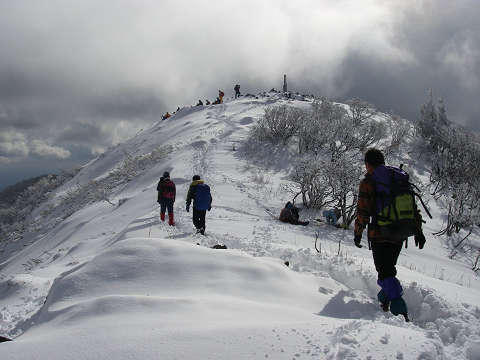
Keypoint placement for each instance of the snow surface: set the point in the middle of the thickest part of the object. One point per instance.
(113, 282)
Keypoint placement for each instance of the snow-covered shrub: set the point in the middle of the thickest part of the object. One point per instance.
(454, 161)
(278, 125)
(331, 139)
(368, 135)
(322, 127)
(343, 131)
(360, 111)
(343, 178)
(308, 176)
(330, 182)
(433, 125)
(400, 131)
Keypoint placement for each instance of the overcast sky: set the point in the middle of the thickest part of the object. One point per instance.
(77, 76)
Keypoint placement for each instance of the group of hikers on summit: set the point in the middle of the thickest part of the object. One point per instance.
(218, 100)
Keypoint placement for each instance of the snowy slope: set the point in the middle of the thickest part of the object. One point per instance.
(111, 281)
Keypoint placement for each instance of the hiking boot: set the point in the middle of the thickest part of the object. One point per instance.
(384, 302)
(162, 216)
(170, 220)
(399, 307)
(202, 231)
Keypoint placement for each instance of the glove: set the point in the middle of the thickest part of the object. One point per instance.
(357, 240)
(209, 208)
(187, 208)
(420, 240)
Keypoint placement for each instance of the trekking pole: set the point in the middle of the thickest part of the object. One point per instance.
(424, 206)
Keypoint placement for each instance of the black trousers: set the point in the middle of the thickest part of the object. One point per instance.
(166, 204)
(199, 218)
(385, 257)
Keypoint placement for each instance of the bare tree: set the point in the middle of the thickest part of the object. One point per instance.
(343, 180)
(309, 177)
(278, 125)
(360, 111)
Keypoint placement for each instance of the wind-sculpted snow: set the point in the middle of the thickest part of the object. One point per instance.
(109, 280)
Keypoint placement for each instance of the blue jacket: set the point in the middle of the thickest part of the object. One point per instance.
(200, 194)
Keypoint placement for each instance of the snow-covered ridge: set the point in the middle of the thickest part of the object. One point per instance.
(110, 281)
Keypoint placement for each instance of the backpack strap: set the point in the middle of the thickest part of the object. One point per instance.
(393, 192)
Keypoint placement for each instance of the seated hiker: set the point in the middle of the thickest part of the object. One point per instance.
(290, 215)
(331, 216)
(166, 116)
(200, 103)
(207, 102)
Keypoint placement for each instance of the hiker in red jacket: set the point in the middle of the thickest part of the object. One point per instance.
(166, 197)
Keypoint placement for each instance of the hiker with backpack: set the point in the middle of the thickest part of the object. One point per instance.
(199, 192)
(221, 94)
(386, 204)
(289, 214)
(166, 197)
(236, 88)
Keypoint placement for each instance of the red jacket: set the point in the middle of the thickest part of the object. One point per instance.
(166, 190)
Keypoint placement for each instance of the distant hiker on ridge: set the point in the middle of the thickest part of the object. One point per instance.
(202, 201)
(376, 200)
(289, 214)
(200, 103)
(221, 94)
(237, 91)
(166, 197)
(166, 116)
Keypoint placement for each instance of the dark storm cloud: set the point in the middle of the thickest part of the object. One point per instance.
(442, 40)
(85, 74)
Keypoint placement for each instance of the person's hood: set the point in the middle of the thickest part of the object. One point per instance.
(196, 182)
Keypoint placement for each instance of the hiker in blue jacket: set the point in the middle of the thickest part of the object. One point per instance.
(199, 192)
(331, 216)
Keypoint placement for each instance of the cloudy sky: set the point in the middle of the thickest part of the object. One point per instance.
(77, 76)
